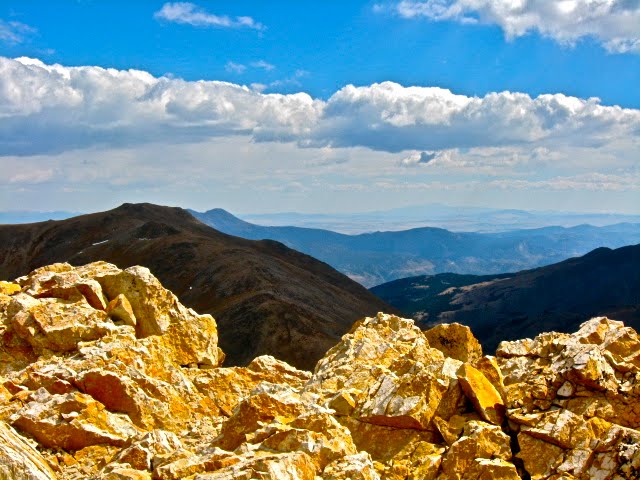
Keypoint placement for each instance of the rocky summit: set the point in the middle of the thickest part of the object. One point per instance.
(105, 374)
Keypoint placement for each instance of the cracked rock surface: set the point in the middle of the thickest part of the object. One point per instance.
(104, 374)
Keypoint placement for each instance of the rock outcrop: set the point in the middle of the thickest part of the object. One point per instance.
(104, 374)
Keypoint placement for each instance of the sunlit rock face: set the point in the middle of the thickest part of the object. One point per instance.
(104, 374)
(574, 401)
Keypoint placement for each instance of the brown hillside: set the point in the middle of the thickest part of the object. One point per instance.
(267, 298)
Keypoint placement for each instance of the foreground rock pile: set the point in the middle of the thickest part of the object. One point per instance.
(104, 374)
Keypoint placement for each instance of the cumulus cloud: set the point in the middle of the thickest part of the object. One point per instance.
(190, 14)
(615, 23)
(14, 32)
(53, 108)
(418, 158)
(390, 117)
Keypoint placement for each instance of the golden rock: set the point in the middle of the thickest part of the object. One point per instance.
(485, 398)
(8, 288)
(479, 440)
(19, 460)
(72, 422)
(109, 376)
(120, 309)
(351, 467)
(455, 341)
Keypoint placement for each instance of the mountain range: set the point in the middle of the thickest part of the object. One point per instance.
(266, 298)
(524, 304)
(454, 218)
(379, 257)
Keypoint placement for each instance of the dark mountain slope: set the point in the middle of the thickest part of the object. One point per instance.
(557, 297)
(267, 298)
(378, 257)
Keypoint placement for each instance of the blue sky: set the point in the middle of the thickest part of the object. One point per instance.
(336, 43)
(511, 124)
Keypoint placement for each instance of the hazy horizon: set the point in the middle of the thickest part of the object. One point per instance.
(454, 219)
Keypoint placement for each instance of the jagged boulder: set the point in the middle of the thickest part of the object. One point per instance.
(72, 421)
(93, 357)
(484, 396)
(54, 324)
(385, 373)
(574, 401)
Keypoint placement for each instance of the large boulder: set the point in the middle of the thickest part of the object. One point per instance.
(384, 372)
(72, 422)
(574, 401)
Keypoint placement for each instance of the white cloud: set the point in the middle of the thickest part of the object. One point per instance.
(316, 179)
(390, 117)
(239, 68)
(488, 160)
(233, 67)
(292, 80)
(14, 32)
(52, 108)
(615, 23)
(263, 65)
(259, 87)
(190, 14)
(32, 176)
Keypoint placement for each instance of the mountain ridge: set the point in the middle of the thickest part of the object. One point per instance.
(504, 307)
(377, 257)
(269, 298)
